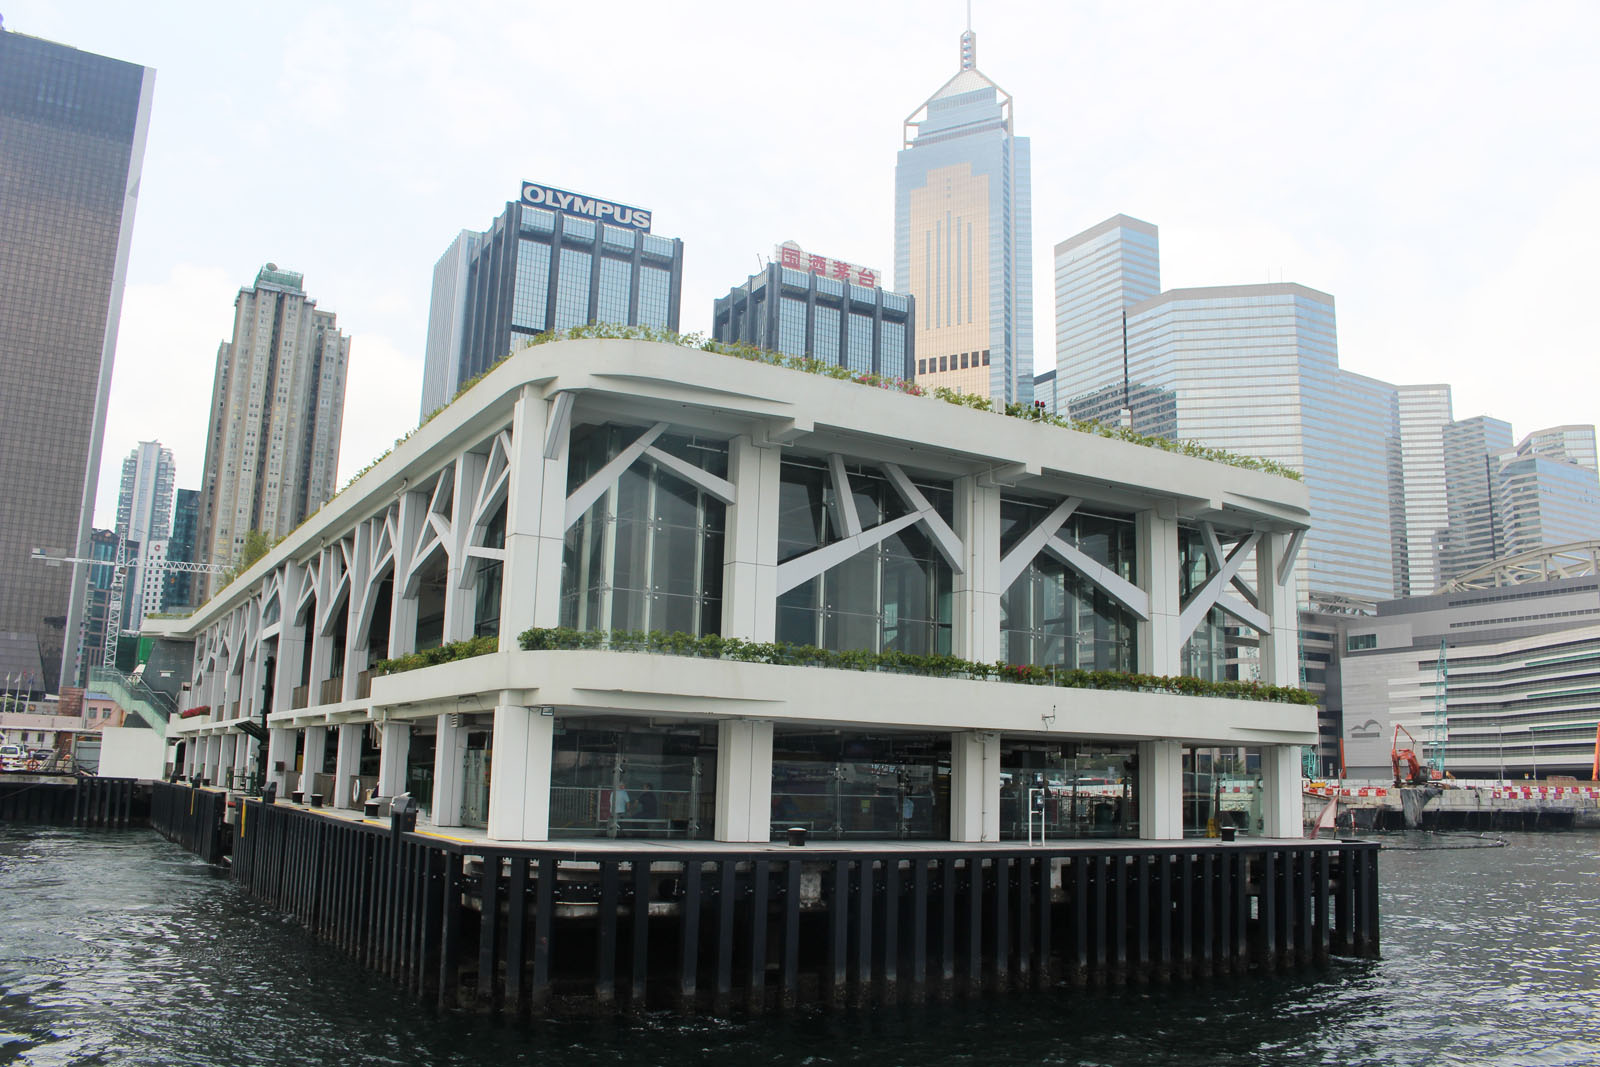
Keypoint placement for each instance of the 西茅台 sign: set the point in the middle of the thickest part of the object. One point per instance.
(559, 200)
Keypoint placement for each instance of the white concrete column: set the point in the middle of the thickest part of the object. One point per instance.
(519, 788)
(1280, 648)
(394, 746)
(316, 749)
(975, 629)
(321, 643)
(975, 786)
(1160, 640)
(225, 760)
(1282, 805)
(213, 769)
(458, 596)
(347, 764)
(1160, 790)
(744, 780)
(536, 503)
(280, 759)
(750, 547)
(413, 513)
(355, 648)
(449, 765)
(191, 755)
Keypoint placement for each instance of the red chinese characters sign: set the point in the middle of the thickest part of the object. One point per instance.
(796, 258)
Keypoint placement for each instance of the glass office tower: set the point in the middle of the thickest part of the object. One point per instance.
(1101, 273)
(541, 268)
(72, 135)
(963, 244)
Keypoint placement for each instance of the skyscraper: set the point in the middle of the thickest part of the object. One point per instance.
(963, 244)
(1424, 413)
(1100, 274)
(178, 594)
(551, 261)
(822, 308)
(277, 410)
(144, 515)
(72, 135)
(1476, 533)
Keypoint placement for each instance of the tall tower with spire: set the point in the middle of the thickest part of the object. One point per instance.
(963, 236)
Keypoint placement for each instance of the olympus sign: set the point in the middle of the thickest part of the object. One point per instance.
(566, 203)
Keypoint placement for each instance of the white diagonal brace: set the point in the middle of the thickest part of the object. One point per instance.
(1214, 553)
(707, 482)
(555, 438)
(1248, 614)
(590, 491)
(843, 498)
(1206, 596)
(1102, 577)
(944, 538)
(804, 568)
(1290, 554)
(1023, 552)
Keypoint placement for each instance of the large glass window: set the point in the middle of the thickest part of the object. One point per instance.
(648, 554)
(825, 334)
(1070, 789)
(894, 595)
(615, 278)
(532, 286)
(491, 572)
(1221, 788)
(572, 289)
(892, 354)
(1213, 650)
(792, 326)
(859, 355)
(655, 286)
(616, 778)
(857, 785)
(1052, 614)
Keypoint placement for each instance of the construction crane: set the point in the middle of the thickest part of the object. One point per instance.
(1441, 711)
(119, 573)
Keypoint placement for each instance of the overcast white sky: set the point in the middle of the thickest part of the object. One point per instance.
(1435, 166)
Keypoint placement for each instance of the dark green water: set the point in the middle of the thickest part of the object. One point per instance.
(119, 948)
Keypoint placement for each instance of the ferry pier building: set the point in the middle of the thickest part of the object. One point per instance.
(628, 588)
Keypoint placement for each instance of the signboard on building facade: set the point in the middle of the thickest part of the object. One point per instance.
(587, 207)
(794, 257)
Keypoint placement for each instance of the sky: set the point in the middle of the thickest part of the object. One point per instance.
(1433, 165)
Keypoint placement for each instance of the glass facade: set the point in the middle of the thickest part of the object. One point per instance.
(1221, 788)
(648, 554)
(613, 778)
(71, 127)
(1206, 653)
(845, 325)
(532, 286)
(841, 784)
(1051, 614)
(1077, 789)
(892, 596)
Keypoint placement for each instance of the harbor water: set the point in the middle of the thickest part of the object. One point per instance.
(117, 947)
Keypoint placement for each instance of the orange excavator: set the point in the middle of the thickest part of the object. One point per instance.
(1416, 772)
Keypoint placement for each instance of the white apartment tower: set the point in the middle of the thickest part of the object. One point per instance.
(277, 408)
(144, 518)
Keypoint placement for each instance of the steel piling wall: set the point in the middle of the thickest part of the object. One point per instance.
(533, 931)
(85, 801)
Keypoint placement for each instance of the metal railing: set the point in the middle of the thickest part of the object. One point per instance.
(153, 708)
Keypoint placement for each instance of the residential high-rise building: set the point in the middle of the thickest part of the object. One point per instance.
(963, 244)
(144, 515)
(826, 309)
(72, 136)
(551, 261)
(1476, 532)
(178, 594)
(277, 410)
(1424, 413)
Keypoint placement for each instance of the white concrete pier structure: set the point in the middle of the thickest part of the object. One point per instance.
(604, 485)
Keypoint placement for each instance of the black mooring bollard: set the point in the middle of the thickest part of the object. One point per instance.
(797, 836)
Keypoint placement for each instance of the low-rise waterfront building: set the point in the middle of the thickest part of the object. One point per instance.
(770, 528)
